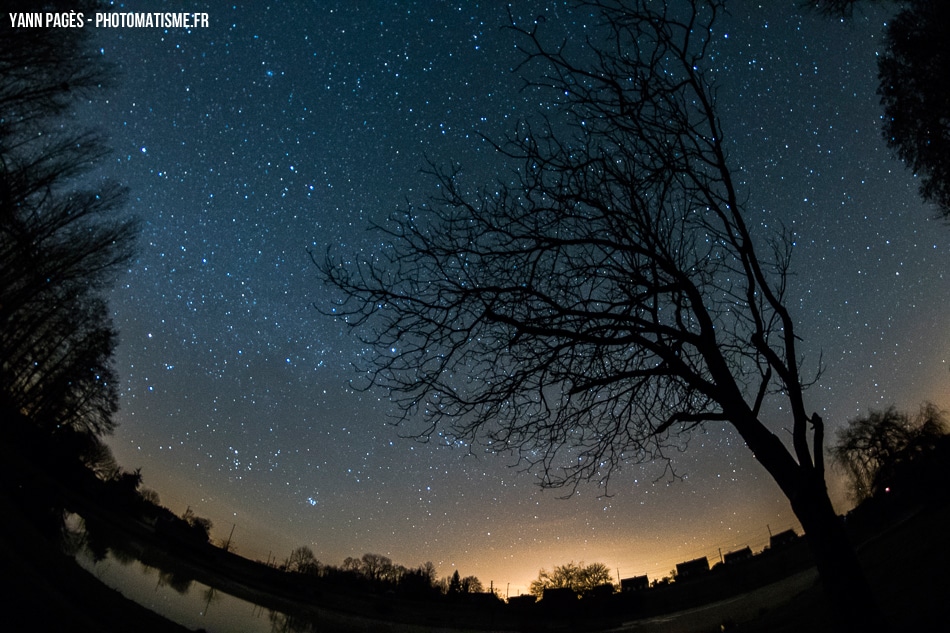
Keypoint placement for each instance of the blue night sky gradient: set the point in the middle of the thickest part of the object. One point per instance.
(291, 126)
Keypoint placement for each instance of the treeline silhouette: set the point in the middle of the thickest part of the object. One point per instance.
(376, 573)
(63, 240)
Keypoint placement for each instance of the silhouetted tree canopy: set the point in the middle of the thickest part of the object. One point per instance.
(916, 99)
(611, 296)
(63, 239)
(375, 572)
(876, 450)
(576, 576)
(915, 93)
(200, 526)
(455, 584)
(471, 584)
(303, 561)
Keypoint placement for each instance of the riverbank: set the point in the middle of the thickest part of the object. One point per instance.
(905, 565)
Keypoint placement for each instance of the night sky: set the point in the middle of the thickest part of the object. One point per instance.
(292, 126)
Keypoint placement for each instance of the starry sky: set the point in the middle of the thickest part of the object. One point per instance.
(288, 126)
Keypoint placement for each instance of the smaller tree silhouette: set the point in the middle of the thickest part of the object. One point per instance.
(428, 571)
(576, 576)
(303, 561)
(471, 584)
(150, 496)
(418, 582)
(200, 526)
(877, 449)
(455, 585)
(376, 567)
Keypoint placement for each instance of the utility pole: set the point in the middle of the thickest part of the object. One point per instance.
(227, 546)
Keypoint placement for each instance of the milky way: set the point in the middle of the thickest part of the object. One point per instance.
(285, 128)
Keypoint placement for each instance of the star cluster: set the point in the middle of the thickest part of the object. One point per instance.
(285, 128)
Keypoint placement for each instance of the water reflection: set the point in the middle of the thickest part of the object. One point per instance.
(152, 579)
(179, 583)
(184, 600)
(161, 583)
(283, 623)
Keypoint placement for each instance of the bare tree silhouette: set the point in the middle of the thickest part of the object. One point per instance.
(302, 561)
(613, 297)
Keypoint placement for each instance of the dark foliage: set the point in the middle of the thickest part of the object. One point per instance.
(199, 528)
(892, 452)
(915, 93)
(62, 238)
(839, 8)
(455, 584)
(915, 58)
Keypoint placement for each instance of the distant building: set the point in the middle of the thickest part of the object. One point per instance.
(483, 599)
(782, 539)
(692, 568)
(600, 592)
(737, 556)
(522, 601)
(636, 583)
(559, 596)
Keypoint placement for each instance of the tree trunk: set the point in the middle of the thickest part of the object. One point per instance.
(842, 577)
(839, 569)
